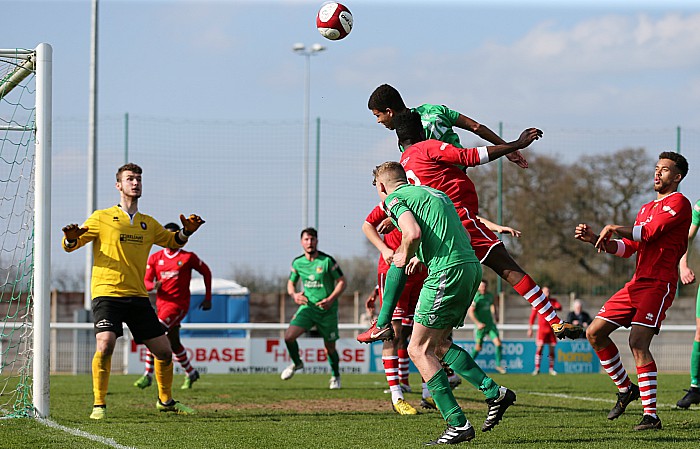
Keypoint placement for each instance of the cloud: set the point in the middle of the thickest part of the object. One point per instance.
(612, 68)
(609, 43)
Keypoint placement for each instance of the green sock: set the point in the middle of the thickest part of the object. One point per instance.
(463, 364)
(474, 353)
(393, 287)
(695, 364)
(445, 401)
(334, 361)
(499, 355)
(293, 349)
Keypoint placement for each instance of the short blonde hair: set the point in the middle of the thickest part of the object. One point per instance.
(390, 172)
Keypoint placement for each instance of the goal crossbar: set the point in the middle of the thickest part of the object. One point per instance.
(22, 71)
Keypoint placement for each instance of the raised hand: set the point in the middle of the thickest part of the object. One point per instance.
(72, 232)
(583, 232)
(528, 136)
(191, 223)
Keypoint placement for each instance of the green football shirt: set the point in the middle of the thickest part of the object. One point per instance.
(696, 214)
(317, 276)
(444, 243)
(438, 122)
(482, 307)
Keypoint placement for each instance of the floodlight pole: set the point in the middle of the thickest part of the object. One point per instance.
(92, 151)
(301, 49)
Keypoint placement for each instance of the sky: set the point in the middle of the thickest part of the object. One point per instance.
(584, 65)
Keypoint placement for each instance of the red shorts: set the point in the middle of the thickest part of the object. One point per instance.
(171, 313)
(545, 335)
(640, 301)
(481, 237)
(406, 306)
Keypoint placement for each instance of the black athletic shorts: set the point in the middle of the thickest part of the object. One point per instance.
(137, 312)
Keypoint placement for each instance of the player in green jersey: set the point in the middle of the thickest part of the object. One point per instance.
(322, 284)
(412, 128)
(688, 277)
(482, 313)
(433, 233)
(439, 121)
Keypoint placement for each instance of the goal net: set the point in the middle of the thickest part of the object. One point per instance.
(25, 139)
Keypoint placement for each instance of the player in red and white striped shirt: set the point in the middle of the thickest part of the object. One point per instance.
(172, 271)
(659, 237)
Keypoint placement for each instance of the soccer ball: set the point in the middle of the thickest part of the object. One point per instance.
(334, 21)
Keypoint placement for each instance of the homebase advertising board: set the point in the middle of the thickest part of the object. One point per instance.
(269, 355)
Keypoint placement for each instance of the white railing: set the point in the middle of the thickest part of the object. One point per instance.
(72, 344)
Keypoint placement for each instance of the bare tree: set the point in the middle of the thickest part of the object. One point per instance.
(259, 282)
(547, 200)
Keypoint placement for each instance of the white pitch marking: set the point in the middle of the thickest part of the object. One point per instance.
(585, 398)
(80, 433)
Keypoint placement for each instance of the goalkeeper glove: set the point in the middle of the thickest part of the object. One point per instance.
(191, 223)
(72, 232)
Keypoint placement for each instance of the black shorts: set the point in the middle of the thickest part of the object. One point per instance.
(110, 312)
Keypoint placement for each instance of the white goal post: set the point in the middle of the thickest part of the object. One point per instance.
(25, 122)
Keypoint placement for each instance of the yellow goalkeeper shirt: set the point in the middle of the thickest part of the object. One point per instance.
(120, 249)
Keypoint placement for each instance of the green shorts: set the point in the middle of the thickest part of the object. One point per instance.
(446, 296)
(490, 329)
(697, 305)
(326, 321)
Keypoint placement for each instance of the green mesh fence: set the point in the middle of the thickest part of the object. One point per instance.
(245, 179)
(17, 116)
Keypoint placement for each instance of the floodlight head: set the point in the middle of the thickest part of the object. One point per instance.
(317, 47)
(298, 47)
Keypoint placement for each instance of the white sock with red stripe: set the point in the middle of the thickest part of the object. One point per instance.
(391, 370)
(184, 361)
(403, 366)
(646, 376)
(149, 364)
(551, 358)
(538, 358)
(528, 289)
(611, 363)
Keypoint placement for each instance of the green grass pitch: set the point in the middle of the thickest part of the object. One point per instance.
(261, 411)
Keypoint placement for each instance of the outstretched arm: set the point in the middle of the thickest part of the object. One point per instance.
(189, 227)
(485, 133)
(526, 138)
(71, 235)
(498, 228)
(602, 242)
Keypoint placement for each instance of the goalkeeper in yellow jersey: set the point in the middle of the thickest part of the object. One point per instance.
(122, 239)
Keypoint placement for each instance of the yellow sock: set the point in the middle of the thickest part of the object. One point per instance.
(101, 368)
(164, 377)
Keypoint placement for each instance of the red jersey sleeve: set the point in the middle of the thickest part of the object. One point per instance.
(376, 216)
(450, 154)
(199, 266)
(556, 304)
(533, 316)
(150, 272)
